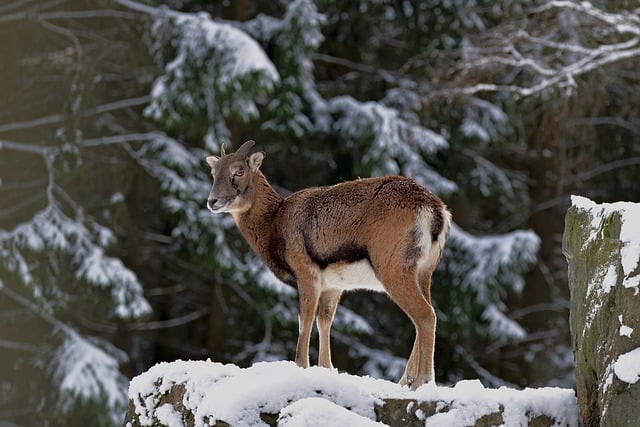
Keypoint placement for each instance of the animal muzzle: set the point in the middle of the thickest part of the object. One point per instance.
(216, 205)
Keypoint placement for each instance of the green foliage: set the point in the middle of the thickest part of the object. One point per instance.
(75, 411)
(211, 71)
(103, 183)
(377, 137)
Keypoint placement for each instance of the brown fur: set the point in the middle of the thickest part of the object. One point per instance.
(390, 225)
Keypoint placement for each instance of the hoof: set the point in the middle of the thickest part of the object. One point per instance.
(415, 383)
(406, 380)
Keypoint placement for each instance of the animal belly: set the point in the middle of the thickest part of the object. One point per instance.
(351, 276)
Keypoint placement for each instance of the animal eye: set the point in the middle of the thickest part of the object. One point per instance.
(239, 172)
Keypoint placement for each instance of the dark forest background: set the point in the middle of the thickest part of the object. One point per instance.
(109, 261)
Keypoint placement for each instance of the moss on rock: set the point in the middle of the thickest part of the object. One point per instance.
(600, 305)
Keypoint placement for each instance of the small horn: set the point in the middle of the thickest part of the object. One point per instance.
(244, 148)
(222, 152)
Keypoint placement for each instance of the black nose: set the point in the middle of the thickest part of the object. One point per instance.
(211, 202)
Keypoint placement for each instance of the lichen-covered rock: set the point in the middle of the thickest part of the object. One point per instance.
(200, 393)
(602, 246)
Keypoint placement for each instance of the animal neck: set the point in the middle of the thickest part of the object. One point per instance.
(254, 222)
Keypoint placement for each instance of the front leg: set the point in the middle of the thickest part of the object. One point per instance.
(308, 301)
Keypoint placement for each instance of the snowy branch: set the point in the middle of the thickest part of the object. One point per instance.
(552, 63)
(623, 22)
(51, 231)
(397, 145)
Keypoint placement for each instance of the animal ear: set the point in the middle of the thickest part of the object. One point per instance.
(212, 160)
(255, 160)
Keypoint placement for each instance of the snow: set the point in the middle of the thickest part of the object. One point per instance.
(200, 33)
(500, 324)
(484, 121)
(213, 69)
(472, 129)
(507, 249)
(398, 141)
(83, 239)
(249, 56)
(355, 322)
(629, 236)
(625, 331)
(486, 176)
(608, 378)
(627, 366)
(319, 412)
(318, 396)
(603, 283)
(91, 369)
(168, 416)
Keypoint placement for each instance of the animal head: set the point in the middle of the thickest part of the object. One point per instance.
(233, 175)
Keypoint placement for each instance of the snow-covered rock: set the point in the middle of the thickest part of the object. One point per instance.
(602, 246)
(205, 393)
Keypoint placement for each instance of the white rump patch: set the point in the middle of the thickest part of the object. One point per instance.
(350, 276)
(431, 251)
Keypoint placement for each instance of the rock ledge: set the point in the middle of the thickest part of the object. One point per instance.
(199, 393)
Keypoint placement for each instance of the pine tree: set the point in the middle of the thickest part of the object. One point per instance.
(113, 198)
(64, 289)
(377, 137)
(56, 270)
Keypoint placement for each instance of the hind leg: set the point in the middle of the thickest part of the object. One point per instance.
(403, 288)
(410, 373)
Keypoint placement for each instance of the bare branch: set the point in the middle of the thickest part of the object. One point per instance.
(29, 12)
(87, 14)
(631, 126)
(560, 78)
(35, 309)
(75, 84)
(346, 63)
(123, 103)
(553, 63)
(118, 139)
(58, 118)
(481, 371)
(41, 121)
(24, 147)
(12, 6)
(171, 323)
(6, 212)
(15, 345)
(139, 7)
(75, 14)
(623, 23)
(607, 167)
